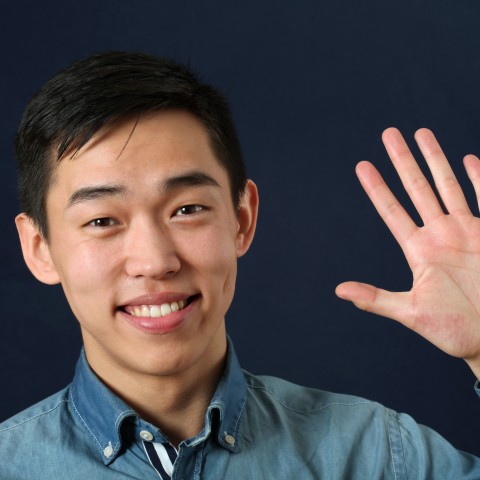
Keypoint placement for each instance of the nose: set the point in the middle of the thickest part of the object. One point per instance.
(150, 252)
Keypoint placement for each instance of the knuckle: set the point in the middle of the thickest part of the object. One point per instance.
(447, 183)
(418, 184)
(390, 208)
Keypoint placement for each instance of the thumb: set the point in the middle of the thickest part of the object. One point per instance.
(366, 297)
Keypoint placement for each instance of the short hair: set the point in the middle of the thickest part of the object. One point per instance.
(94, 92)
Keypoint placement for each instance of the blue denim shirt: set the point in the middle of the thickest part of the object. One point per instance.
(255, 428)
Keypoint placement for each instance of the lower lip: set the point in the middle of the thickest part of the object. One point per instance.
(160, 325)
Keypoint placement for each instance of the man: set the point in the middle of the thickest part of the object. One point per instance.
(135, 199)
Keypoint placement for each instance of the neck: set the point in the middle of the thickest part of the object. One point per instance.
(179, 410)
(174, 403)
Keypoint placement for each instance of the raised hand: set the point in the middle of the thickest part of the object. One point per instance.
(443, 304)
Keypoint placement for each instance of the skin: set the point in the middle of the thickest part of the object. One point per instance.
(133, 239)
(443, 304)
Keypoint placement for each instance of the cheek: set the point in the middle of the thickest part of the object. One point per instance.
(85, 271)
(213, 256)
(220, 272)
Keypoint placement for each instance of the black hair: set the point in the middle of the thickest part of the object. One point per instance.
(91, 94)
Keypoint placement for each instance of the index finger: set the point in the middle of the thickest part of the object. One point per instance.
(389, 208)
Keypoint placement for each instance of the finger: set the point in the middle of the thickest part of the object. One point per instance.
(472, 166)
(443, 176)
(394, 305)
(388, 207)
(413, 180)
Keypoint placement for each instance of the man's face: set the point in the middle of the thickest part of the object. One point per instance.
(144, 239)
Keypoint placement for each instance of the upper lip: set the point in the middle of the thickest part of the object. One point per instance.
(156, 298)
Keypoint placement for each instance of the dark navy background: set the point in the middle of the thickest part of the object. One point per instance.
(312, 84)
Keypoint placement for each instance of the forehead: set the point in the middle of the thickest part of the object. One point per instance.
(133, 149)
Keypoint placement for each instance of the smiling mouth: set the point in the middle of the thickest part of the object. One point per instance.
(156, 311)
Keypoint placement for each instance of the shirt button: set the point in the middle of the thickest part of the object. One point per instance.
(146, 435)
(108, 451)
(229, 439)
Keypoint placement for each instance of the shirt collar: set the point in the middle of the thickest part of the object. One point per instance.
(228, 403)
(102, 413)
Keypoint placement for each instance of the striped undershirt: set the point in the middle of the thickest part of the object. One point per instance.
(162, 456)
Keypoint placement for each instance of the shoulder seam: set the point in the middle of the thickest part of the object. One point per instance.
(35, 416)
(341, 404)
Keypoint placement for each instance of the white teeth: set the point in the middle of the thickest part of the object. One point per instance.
(157, 310)
(165, 309)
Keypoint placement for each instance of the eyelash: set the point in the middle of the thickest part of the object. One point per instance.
(186, 210)
(196, 209)
(95, 223)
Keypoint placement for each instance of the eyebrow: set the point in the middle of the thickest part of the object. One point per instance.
(86, 194)
(193, 178)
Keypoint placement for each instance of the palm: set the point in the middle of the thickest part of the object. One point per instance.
(444, 300)
(444, 255)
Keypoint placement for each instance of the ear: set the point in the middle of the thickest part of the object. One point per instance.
(247, 218)
(36, 251)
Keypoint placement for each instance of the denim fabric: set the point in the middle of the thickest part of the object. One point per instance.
(255, 428)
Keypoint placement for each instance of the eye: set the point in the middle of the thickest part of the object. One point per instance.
(102, 222)
(189, 210)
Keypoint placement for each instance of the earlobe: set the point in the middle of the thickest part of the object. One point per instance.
(247, 218)
(35, 249)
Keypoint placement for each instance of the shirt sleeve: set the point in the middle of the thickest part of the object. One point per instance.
(421, 453)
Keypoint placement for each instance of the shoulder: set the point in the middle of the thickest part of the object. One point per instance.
(302, 399)
(320, 427)
(347, 426)
(312, 416)
(34, 439)
(36, 418)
